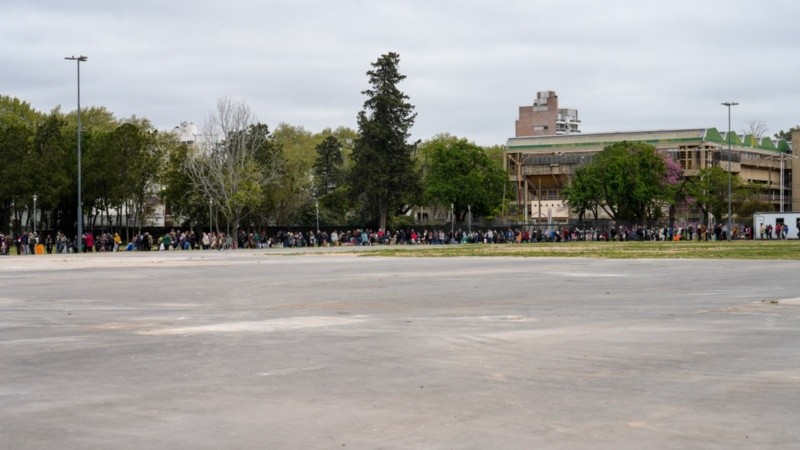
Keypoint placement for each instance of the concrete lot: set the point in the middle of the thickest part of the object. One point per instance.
(257, 349)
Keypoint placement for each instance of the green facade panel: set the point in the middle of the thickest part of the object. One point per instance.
(712, 135)
(750, 141)
(767, 144)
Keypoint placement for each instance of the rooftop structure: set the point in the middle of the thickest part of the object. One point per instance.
(545, 118)
(186, 132)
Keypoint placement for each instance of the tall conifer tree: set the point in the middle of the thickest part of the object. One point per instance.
(383, 176)
(328, 166)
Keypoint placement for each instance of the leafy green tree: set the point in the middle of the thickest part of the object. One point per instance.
(675, 186)
(460, 173)
(17, 113)
(96, 124)
(100, 180)
(140, 153)
(330, 190)
(626, 180)
(497, 153)
(15, 145)
(752, 206)
(347, 138)
(18, 122)
(383, 177)
(181, 199)
(52, 167)
(293, 189)
(121, 172)
(93, 119)
(709, 191)
(328, 170)
(583, 194)
(786, 135)
(330, 175)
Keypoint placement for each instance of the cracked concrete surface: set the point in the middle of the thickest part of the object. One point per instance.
(257, 349)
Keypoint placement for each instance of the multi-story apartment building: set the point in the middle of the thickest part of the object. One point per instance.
(545, 118)
(187, 133)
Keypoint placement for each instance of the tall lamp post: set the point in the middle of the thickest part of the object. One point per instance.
(316, 203)
(34, 212)
(782, 160)
(210, 217)
(452, 221)
(79, 240)
(728, 138)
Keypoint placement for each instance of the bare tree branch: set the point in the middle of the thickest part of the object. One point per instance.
(756, 127)
(233, 164)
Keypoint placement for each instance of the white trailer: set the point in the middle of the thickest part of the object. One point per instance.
(792, 219)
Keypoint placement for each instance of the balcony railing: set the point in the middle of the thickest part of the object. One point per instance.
(725, 155)
(549, 160)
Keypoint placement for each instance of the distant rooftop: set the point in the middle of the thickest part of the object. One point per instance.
(655, 137)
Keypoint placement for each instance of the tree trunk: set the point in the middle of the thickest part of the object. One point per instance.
(672, 211)
(235, 236)
(382, 213)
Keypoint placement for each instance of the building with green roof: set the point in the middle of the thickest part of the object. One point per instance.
(541, 166)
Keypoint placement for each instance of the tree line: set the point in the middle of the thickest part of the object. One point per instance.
(239, 172)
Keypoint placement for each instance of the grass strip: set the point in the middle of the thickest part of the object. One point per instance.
(766, 250)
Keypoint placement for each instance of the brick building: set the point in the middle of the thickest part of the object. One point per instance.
(544, 118)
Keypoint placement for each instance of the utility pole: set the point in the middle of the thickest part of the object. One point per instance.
(730, 195)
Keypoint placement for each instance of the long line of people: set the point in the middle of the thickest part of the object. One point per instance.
(26, 242)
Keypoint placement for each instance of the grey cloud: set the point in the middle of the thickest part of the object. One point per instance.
(470, 64)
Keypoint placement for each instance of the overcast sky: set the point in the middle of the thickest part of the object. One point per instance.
(625, 65)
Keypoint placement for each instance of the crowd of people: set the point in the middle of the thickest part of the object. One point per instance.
(779, 231)
(27, 242)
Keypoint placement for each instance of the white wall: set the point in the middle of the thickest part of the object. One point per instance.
(771, 218)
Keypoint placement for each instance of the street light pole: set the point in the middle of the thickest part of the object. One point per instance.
(79, 240)
(782, 159)
(452, 221)
(728, 138)
(316, 203)
(34, 212)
